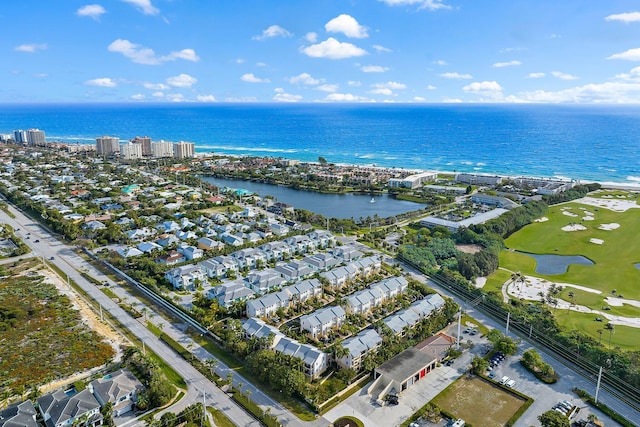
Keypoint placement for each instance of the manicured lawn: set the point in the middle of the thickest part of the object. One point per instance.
(219, 418)
(614, 259)
(478, 402)
(496, 280)
(625, 337)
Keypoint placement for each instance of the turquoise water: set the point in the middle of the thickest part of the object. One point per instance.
(598, 143)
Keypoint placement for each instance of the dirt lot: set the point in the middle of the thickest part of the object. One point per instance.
(469, 248)
(478, 402)
(92, 319)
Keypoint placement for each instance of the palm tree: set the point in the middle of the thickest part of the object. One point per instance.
(610, 328)
(211, 363)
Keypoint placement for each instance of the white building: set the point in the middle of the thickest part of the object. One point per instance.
(358, 347)
(161, 149)
(186, 277)
(107, 145)
(35, 137)
(412, 181)
(183, 150)
(131, 151)
(321, 321)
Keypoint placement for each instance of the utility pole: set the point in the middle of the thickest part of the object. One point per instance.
(459, 321)
(507, 330)
(598, 385)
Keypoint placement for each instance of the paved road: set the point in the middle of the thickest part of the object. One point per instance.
(64, 258)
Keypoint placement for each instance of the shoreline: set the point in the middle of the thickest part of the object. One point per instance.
(629, 185)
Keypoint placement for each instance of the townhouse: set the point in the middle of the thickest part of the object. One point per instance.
(358, 347)
(321, 321)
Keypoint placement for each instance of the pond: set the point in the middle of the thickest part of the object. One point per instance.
(637, 265)
(342, 206)
(557, 264)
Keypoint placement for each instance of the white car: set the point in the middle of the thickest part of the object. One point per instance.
(504, 380)
(510, 383)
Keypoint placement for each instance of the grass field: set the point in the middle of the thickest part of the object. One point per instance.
(614, 260)
(624, 337)
(478, 402)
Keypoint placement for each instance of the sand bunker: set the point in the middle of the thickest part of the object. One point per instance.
(480, 282)
(597, 241)
(619, 302)
(616, 205)
(574, 227)
(567, 213)
(609, 227)
(588, 218)
(543, 219)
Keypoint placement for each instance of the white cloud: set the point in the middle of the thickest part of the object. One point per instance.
(563, 76)
(240, 61)
(448, 100)
(624, 17)
(206, 98)
(381, 48)
(595, 93)
(535, 75)
(102, 82)
(431, 87)
(311, 37)
(629, 55)
(457, 76)
(182, 80)
(91, 10)
(345, 97)
(506, 64)
(145, 55)
(273, 31)
(158, 94)
(155, 86)
(286, 97)
(137, 97)
(347, 25)
(486, 86)
(632, 75)
(418, 99)
(354, 83)
(374, 69)
(304, 79)
(387, 88)
(422, 4)
(328, 88)
(440, 62)
(175, 97)
(250, 78)
(243, 99)
(333, 49)
(30, 48)
(261, 64)
(511, 49)
(145, 6)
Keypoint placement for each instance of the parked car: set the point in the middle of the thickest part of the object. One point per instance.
(510, 383)
(504, 380)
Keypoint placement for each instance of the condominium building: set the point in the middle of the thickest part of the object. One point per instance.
(20, 136)
(131, 151)
(183, 150)
(35, 137)
(161, 149)
(107, 145)
(145, 143)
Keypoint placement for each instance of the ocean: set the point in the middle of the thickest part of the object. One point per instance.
(591, 143)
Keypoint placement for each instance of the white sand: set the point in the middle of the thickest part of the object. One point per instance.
(588, 218)
(574, 227)
(596, 241)
(567, 213)
(616, 205)
(619, 302)
(480, 282)
(609, 227)
(543, 219)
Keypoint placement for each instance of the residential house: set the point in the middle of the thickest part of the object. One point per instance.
(61, 410)
(169, 227)
(191, 252)
(186, 277)
(231, 239)
(140, 234)
(324, 238)
(149, 247)
(368, 265)
(322, 261)
(321, 321)
(294, 271)
(230, 292)
(358, 347)
(347, 253)
(127, 252)
(19, 415)
(121, 388)
(186, 235)
(209, 244)
(314, 360)
(302, 291)
(279, 229)
(339, 276)
(268, 304)
(166, 240)
(362, 301)
(265, 280)
(417, 311)
(94, 226)
(172, 258)
(391, 287)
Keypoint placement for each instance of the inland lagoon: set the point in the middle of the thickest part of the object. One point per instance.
(557, 264)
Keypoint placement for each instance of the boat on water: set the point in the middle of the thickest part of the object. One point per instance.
(372, 200)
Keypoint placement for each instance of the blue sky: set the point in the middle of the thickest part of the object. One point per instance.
(419, 51)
